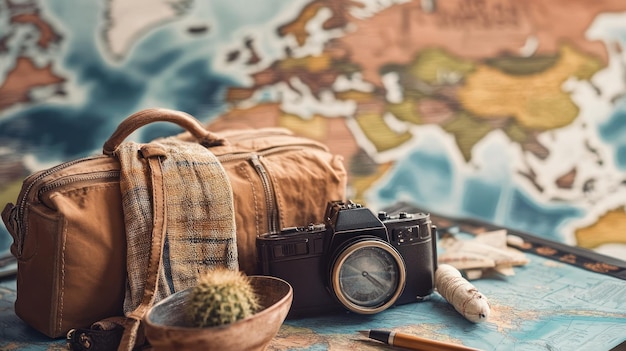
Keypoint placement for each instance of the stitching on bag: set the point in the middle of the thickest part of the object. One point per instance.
(256, 209)
(62, 283)
(60, 316)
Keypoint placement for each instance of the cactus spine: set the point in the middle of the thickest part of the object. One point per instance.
(221, 297)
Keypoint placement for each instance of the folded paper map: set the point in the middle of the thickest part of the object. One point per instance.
(487, 252)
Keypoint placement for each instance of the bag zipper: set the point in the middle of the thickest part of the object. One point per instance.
(254, 158)
(270, 195)
(78, 178)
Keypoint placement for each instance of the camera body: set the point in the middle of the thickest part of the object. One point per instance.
(355, 260)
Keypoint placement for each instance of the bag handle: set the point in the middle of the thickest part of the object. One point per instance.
(147, 116)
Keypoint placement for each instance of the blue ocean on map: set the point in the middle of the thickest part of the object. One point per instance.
(412, 181)
(613, 132)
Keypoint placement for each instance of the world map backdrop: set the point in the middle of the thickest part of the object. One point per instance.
(507, 111)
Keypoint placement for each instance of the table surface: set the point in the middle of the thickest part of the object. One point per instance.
(547, 305)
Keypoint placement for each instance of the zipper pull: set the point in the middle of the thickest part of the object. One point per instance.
(10, 217)
(256, 162)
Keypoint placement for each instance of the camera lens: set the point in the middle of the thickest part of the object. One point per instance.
(368, 276)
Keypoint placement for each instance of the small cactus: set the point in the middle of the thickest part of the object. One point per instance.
(221, 297)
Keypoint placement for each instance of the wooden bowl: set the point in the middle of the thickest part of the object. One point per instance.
(167, 327)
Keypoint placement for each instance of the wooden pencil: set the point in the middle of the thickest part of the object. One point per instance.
(413, 342)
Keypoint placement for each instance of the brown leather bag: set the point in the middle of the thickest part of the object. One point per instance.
(69, 231)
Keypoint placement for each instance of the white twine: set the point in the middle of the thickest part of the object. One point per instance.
(464, 296)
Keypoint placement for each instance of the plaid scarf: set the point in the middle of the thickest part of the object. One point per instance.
(200, 217)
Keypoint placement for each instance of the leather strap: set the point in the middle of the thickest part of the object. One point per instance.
(159, 209)
(94, 339)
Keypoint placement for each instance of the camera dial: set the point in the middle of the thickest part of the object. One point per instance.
(368, 276)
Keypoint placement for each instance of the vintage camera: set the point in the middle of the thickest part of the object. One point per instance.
(355, 260)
